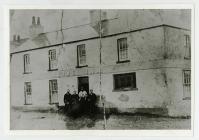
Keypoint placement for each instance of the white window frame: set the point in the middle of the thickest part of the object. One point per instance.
(28, 93)
(52, 59)
(187, 46)
(53, 91)
(81, 55)
(122, 47)
(186, 84)
(26, 58)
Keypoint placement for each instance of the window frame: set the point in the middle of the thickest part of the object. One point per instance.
(119, 52)
(78, 56)
(51, 53)
(26, 61)
(53, 91)
(186, 84)
(187, 47)
(133, 86)
(26, 84)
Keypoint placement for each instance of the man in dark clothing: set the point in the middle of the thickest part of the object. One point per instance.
(75, 95)
(91, 101)
(67, 100)
(75, 108)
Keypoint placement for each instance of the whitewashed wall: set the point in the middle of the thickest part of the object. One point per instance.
(158, 84)
(39, 77)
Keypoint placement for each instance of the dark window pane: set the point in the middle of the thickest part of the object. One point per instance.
(125, 81)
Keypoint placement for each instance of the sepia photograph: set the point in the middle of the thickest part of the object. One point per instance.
(100, 69)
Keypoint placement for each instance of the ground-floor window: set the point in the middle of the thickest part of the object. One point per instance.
(186, 84)
(126, 81)
(53, 90)
(28, 93)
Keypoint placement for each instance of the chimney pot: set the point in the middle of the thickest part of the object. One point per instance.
(18, 38)
(14, 37)
(38, 20)
(33, 20)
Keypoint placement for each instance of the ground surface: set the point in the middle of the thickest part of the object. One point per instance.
(54, 121)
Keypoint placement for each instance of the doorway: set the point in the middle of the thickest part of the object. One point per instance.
(83, 82)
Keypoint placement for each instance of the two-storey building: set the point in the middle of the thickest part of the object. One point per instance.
(138, 63)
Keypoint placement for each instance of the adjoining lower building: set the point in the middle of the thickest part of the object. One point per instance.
(147, 69)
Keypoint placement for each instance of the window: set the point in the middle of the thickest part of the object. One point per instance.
(125, 81)
(53, 89)
(28, 93)
(187, 47)
(52, 59)
(26, 58)
(81, 55)
(186, 84)
(122, 48)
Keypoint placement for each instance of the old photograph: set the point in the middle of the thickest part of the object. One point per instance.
(100, 69)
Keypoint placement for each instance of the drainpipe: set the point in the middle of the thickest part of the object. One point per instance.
(100, 41)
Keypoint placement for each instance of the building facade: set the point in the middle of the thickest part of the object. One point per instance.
(133, 69)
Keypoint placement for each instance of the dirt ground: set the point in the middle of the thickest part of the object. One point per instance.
(21, 120)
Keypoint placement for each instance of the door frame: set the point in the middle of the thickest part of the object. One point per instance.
(78, 85)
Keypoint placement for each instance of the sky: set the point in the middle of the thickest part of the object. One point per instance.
(20, 20)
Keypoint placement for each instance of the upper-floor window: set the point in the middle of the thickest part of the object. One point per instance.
(81, 55)
(52, 59)
(126, 81)
(26, 59)
(187, 47)
(122, 48)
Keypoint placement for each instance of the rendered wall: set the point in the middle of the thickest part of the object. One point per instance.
(159, 78)
(39, 77)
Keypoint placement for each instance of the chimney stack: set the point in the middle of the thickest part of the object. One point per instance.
(95, 20)
(36, 28)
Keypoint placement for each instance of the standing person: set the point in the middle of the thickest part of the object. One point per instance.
(75, 95)
(67, 100)
(82, 98)
(91, 101)
(75, 104)
(82, 94)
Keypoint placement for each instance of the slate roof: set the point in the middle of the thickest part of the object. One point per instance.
(132, 20)
(54, 38)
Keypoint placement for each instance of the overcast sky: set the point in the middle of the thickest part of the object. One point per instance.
(51, 19)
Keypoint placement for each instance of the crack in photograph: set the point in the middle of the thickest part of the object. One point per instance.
(100, 69)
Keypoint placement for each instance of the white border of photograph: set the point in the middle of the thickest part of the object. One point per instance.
(88, 4)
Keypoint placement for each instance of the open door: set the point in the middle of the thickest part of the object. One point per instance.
(83, 82)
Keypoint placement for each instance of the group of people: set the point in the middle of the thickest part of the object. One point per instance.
(80, 102)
